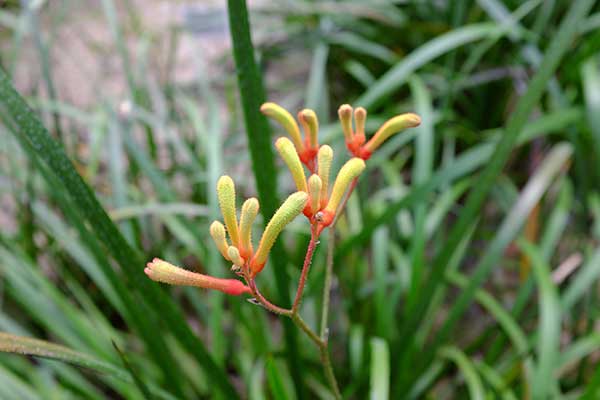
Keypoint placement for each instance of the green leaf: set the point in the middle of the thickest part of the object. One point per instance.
(380, 369)
(252, 96)
(40, 348)
(468, 370)
(548, 338)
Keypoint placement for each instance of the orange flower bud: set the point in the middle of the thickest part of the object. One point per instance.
(310, 124)
(345, 114)
(360, 117)
(162, 271)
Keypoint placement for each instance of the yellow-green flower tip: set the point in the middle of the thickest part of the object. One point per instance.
(345, 114)
(310, 124)
(217, 231)
(349, 171)
(393, 125)
(289, 154)
(286, 120)
(161, 271)
(314, 191)
(324, 159)
(360, 117)
(234, 256)
(290, 208)
(226, 196)
(249, 212)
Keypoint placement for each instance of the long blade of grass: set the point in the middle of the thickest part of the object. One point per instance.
(586, 277)
(380, 369)
(40, 348)
(252, 95)
(32, 133)
(399, 73)
(548, 339)
(424, 150)
(16, 344)
(590, 74)
(467, 368)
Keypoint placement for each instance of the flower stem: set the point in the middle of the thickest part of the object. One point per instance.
(323, 352)
(306, 267)
(327, 285)
(266, 303)
(329, 266)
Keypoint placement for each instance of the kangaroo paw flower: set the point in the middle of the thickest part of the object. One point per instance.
(162, 271)
(355, 139)
(352, 169)
(288, 153)
(393, 125)
(286, 120)
(226, 196)
(306, 149)
(235, 257)
(217, 232)
(314, 192)
(249, 213)
(290, 208)
(324, 160)
(310, 123)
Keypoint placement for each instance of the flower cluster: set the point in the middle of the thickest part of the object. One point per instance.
(313, 197)
(355, 138)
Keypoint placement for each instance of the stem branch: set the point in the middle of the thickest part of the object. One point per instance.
(329, 266)
(306, 267)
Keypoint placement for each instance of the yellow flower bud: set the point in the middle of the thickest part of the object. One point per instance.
(217, 231)
(289, 154)
(226, 196)
(290, 208)
(393, 125)
(324, 159)
(310, 124)
(249, 212)
(314, 190)
(345, 114)
(234, 256)
(349, 171)
(286, 120)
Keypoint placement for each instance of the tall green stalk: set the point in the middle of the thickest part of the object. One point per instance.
(252, 95)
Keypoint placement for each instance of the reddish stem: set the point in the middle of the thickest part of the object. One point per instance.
(312, 245)
(266, 303)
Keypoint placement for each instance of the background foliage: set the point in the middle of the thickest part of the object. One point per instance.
(467, 263)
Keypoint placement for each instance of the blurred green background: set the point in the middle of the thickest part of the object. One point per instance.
(467, 263)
